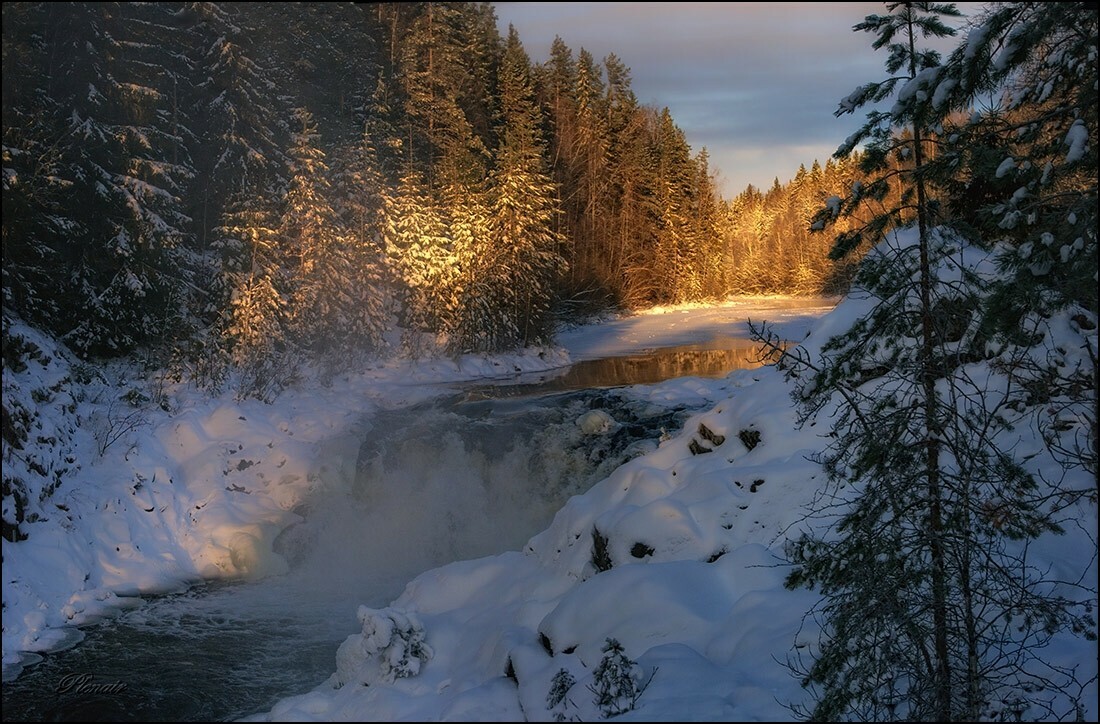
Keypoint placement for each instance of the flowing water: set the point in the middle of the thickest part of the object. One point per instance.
(459, 477)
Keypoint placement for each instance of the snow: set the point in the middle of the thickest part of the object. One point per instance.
(694, 592)
(1077, 138)
(1009, 164)
(687, 324)
(153, 500)
(974, 40)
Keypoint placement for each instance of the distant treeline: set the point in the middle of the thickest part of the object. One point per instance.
(245, 185)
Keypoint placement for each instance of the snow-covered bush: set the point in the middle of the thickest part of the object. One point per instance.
(618, 681)
(392, 646)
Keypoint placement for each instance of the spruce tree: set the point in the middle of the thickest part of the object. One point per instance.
(675, 252)
(241, 124)
(1025, 177)
(526, 262)
(419, 250)
(314, 246)
(932, 608)
(359, 188)
(98, 170)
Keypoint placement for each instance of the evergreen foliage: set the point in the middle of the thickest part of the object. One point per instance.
(557, 699)
(932, 609)
(617, 683)
(168, 191)
(163, 195)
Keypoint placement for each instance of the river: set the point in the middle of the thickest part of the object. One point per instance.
(465, 475)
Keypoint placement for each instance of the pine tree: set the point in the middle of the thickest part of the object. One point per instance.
(419, 250)
(359, 189)
(321, 304)
(1025, 175)
(675, 252)
(617, 685)
(435, 74)
(555, 81)
(931, 607)
(99, 173)
(525, 247)
(709, 261)
(242, 123)
(591, 171)
(557, 698)
(254, 325)
(631, 208)
(238, 126)
(477, 318)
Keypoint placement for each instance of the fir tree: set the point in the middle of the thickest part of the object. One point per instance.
(618, 681)
(557, 698)
(314, 248)
(525, 247)
(254, 325)
(931, 608)
(242, 123)
(676, 250)
(419, 250)
(1025, 169)
(98, 172)
(359, 189)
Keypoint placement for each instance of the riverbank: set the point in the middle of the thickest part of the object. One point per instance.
(130, 498)
(153, 487)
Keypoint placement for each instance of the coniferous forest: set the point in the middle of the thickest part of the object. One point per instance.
(231, 193)
(249, 186)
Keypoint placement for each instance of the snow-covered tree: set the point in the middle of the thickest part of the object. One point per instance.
(524, 260)
(254, 325)
(617, 681)
(932, 609)
(478, 318)
(1024, 167)
(98, 169)
(242, 121)
(358, 200)
(314, 247)
(419, 250)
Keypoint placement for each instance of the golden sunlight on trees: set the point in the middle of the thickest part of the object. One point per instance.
(235, 197)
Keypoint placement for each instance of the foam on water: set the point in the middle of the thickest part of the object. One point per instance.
(444, 481)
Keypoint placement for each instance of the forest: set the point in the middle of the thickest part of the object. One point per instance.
(243, 187)
(230, 193)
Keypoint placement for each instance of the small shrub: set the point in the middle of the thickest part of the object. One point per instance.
(557, 699)
(618, 681)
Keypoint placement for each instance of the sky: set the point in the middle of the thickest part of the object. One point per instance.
(754, 83)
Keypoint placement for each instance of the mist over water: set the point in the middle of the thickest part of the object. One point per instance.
(452, 479)
(455, 478)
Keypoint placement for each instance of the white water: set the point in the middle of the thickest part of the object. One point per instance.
(444, 481)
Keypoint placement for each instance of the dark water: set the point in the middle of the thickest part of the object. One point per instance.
(197, 656)
(456, 478)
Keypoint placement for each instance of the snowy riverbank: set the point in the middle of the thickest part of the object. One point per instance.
(128, 497)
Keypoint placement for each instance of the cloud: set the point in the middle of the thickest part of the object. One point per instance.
(756, 83)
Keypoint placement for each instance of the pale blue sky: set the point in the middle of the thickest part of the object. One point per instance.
(756, 83)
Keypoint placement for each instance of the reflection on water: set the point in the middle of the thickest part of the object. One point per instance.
(715, 358)
(225, 651)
